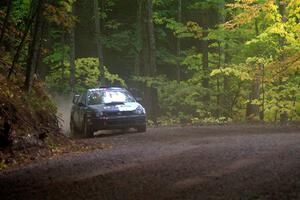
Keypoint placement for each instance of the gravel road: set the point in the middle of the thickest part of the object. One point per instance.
(213, 162)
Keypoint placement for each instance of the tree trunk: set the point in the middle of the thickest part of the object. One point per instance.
(152, 55)
(139, 40)
(252, 110)
(152, 44)
(178, 42)
(218, 80)
(206, 71)
(38, 69)
(34, 48)
(282, 42)
(62, 62)
(226, 96)
(72, 55)
(221, 9)
(149, 58)
(31, 16)
(98, 42)
(262, 112)
(7, 14)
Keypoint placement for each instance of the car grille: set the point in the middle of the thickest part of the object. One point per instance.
(121, 113)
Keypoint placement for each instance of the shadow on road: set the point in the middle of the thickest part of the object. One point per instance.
(104, 134)
(112, 133)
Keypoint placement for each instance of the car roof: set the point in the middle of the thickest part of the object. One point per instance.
(106, 88)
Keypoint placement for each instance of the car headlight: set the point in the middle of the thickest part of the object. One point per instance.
(89, 115)
(99, 114)
(139, 110)
(94, 114)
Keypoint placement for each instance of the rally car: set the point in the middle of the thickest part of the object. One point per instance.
(105, 109)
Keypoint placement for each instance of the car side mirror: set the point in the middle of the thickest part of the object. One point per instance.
(75, 98)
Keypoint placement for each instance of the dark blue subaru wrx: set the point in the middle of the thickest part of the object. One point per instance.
(106, 109)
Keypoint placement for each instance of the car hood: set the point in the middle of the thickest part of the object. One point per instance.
(130, 106)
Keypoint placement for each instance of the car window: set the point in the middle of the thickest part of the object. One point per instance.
(82, 99)
(94, 98)
(79, 99)
(75, 99)
(109, 96)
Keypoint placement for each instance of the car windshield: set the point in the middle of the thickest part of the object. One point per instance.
(109, 96)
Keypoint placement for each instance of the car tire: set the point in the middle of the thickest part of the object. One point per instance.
(87, 131)
(141, 129)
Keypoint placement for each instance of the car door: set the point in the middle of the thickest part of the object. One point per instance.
(82, 110)
(74, 109)
(76, 112)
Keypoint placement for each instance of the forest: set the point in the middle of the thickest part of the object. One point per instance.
(192, 61)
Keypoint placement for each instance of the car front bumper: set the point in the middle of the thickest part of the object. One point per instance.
(116, 122)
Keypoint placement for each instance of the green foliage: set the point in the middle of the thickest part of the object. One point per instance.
(236, 71)
(180, 102)
(206, 4)
(243, 49)
(193, 61)
(60, 14)
(58, 55)
(282, 99)
(36, 104)
(86, 74)
(247, 41)
(117, 41)
(21, 10)
(211, 120)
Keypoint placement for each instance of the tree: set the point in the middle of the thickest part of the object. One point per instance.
(282, 11)
(31, 17)
(148, 63)
(252, 110)
(178, 42)
(32, 59)
(72, 55)
(220, 56)
(7, 14)
(98, 41)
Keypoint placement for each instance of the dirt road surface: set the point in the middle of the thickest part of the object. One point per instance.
(213, 162)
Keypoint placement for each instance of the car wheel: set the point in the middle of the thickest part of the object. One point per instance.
(88, 133)
(141, 129)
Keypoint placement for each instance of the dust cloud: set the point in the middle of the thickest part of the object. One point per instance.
(64, 105)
